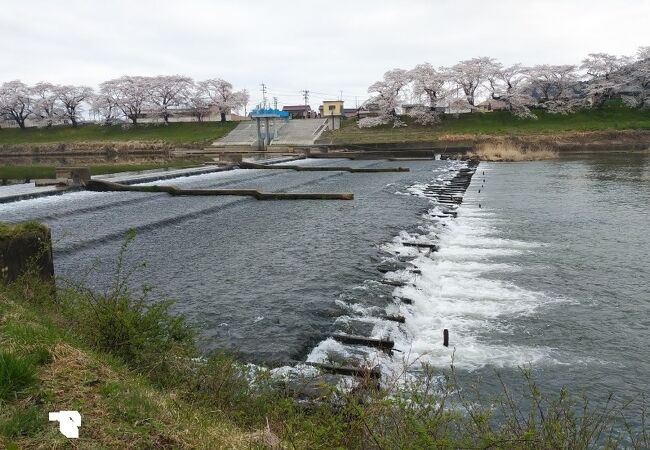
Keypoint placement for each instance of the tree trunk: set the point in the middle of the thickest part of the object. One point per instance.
(223, 116)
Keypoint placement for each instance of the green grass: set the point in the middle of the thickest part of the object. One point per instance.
(23, 422)
(11, 229)
(185, 133)
(612, 118)
(16, 375)
(35, 171)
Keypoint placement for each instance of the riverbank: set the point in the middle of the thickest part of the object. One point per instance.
(113, 139)
(612, 127)
(125, 366)
(596, 122)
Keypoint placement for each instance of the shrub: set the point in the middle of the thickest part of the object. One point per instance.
(16, 375)
(144, 334)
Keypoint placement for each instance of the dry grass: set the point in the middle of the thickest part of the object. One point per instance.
(509, 151)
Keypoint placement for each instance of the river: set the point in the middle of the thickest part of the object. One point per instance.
(547, 266)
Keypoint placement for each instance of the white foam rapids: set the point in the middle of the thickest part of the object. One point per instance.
(460, 287)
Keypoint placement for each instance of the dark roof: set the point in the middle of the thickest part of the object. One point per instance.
(297, 108)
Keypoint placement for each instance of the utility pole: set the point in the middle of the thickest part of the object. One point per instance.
(264, 94)
(275, 102)
(305, 95)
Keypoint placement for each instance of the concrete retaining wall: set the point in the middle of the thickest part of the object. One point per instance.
(28, 249)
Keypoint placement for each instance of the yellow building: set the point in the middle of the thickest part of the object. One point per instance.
(332, 108)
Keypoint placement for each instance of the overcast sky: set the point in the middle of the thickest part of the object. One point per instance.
(324, 46)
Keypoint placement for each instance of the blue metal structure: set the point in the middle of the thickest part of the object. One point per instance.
(269, 112)
(270, 130)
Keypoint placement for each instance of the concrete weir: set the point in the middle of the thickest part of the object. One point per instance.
(449, 195)
(106, 186)
(247, 165)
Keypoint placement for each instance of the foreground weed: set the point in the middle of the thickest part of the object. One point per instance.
(16, 375)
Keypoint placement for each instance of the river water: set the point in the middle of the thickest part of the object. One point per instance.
(548, 265)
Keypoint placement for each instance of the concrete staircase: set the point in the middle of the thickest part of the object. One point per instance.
(244, 134)
(293, 133)
(300, 132)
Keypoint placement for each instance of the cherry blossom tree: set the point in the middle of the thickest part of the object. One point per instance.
(197, 101)
(46, 107)
(242, 98)
(429, 83)
(105, 107)
(387, 96)
(605, 75)
(223, 97)
(471, 74)
(507, 84)
(168, 92)
(71, 98)
(637, 80)
(130, 94)
(553, 85)
(16, 102)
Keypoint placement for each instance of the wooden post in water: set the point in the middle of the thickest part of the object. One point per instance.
(445, 337)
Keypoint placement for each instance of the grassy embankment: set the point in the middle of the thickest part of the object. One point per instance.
(154, 137)
(181, 134)
(125, 364)
(497, 123)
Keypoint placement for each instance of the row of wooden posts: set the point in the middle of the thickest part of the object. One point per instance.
(449, 195)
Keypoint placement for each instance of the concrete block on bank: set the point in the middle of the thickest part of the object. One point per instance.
(231, 157)
(25, 247)
(53, 182)
(79, 175)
